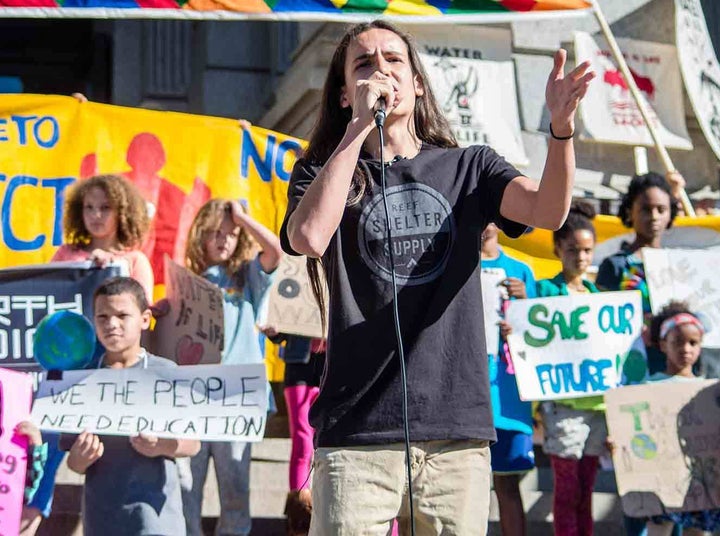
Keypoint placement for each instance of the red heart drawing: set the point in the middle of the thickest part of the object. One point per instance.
(188, 352)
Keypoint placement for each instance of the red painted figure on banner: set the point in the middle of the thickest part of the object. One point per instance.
(644, 83)
(171, 209)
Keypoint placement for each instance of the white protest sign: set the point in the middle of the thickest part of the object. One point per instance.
(686, 275)
(492, 296)
(667, 449)
(193, 331)
(700, 68)
(292, 308)
(473, 77)
(609, 112)
(478, 99)
(206, 402)
(577, 345)
(470, 42)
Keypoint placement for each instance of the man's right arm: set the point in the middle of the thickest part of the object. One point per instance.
(317, 216)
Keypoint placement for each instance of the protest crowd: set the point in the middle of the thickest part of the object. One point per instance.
(436, 366)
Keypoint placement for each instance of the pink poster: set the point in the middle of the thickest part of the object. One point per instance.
(15, 400)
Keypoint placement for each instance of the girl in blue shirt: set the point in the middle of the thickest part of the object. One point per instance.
(222, 246)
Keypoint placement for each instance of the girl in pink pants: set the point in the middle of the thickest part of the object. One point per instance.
(304, 361)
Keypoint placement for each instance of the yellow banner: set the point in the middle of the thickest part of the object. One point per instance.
(178, 161)
(267, 159)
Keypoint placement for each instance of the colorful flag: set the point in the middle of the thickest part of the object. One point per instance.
(472, 10)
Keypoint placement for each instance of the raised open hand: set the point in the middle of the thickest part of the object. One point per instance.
(564, 92)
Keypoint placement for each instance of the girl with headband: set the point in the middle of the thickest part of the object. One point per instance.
(679, 333)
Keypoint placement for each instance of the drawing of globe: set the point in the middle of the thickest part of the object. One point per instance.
(64, 341)
(643, 446)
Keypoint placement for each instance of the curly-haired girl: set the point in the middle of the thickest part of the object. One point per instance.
(222, 246)
(649, 208)
(106, 219)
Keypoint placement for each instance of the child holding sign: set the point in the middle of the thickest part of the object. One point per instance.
(131, 485)
(575, 430)
(649, 208)
(680, 335)
(222, 247)
(105, 219)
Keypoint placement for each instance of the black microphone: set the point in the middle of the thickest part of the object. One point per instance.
(380, 114)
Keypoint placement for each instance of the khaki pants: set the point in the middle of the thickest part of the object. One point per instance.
(359, 491)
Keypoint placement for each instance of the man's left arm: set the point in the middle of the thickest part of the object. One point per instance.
(546, 204)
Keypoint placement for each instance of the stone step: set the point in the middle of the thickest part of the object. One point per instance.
(269, 474)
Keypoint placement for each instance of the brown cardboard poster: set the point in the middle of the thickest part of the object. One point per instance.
(292, 308)
(193, 332)
(666, 439)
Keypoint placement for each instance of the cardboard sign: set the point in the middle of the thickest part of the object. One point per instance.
(292, 308)
(15, 398)
(667, 449)
(207, 402)
(578, 345)
(193, 332)
(492, 296)
(609, 111)
(687, 275)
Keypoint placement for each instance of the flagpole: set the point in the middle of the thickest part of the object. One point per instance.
(632, 86)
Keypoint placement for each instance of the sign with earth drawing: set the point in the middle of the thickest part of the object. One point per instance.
(666, 449)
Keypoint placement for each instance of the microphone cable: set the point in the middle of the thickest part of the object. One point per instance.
(380, 123)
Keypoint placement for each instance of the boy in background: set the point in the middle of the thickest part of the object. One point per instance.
(131, 484)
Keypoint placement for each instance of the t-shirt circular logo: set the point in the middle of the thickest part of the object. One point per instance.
(422, 228)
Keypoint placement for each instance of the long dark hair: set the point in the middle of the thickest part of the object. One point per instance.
(429, 123)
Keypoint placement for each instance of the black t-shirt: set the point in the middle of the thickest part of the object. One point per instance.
(439, 202)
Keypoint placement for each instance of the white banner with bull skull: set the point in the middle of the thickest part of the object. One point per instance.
(473, 78)
(609, 112)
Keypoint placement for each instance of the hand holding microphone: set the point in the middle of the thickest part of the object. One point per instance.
(380, 113)
(373, 99)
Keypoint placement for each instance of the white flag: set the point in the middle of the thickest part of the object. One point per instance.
(609, 112)
(473, 78)
(478, 98)
(700, 68)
